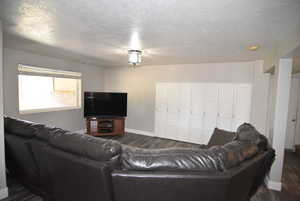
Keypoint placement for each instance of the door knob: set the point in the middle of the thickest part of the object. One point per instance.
(293, 120)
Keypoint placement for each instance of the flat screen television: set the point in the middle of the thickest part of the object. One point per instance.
(103, 104)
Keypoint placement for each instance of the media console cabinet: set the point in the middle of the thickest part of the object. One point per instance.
(104, 126)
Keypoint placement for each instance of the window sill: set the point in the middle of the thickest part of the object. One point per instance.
(48, 110)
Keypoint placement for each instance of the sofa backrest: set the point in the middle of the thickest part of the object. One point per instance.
(170, 159)
(44, 133)
(247, 132)
(86, 146)
(221, 137)
(234, 153)
(20, 127)
(217, 158)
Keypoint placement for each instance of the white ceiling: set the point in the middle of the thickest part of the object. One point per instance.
(169, 31)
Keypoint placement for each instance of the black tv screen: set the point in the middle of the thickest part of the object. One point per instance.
(101, 104)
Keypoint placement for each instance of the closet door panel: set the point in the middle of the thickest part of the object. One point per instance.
(183, 127)
(161, 97)
(184, 107)
(160, 109)
(242, 103)
(210, 97)
(209, 123)
(225, 106)
(236, 123)
(225, 124)
(160, 123)
(173, 95)
(184, 98)
(196, 113)
(226, 100)
(171, 126)
(197, 99)
(195, 134)
(173, 103)
(210, 110)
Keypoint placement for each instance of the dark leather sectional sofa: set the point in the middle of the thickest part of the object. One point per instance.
(65, 166)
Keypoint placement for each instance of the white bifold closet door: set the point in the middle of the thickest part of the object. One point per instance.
(190, 111)
(195, 125)
(184, 100)
(160, 110)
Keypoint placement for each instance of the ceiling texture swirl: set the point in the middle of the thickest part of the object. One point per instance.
(100, 32)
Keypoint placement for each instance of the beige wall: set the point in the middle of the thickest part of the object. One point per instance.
(3, 189)
(92, 80)
(140, 85)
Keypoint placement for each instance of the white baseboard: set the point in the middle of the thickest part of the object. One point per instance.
(273, 185)
(3, 193)
(148, 133)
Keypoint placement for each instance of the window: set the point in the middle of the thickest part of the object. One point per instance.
(44, 90)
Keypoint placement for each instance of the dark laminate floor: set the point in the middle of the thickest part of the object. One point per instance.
(291, 172)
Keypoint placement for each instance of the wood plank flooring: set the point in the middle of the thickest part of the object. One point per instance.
(290, 183)
(18, 192)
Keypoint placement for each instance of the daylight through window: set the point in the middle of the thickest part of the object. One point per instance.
(44, 90)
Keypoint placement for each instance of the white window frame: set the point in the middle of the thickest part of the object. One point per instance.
(40, 71)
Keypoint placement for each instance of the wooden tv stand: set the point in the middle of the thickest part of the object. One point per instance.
(105, 126)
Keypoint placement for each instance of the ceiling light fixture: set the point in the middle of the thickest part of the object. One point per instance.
(253, 47)
(134, 57)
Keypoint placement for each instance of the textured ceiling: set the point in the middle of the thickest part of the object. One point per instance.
(169, 31)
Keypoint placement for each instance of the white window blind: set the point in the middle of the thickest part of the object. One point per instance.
(31, 70)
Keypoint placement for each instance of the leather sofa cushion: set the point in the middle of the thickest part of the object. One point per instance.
(20, 127)
(247, 132)
(44, 133)
(171, 159)
(217, 158)
(88, 146)
(234, 153)
(220, 137)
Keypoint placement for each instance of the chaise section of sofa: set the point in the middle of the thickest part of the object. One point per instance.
(231, 171)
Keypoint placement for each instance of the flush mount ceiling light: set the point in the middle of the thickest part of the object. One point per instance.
(134, 57)
(253, 47)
